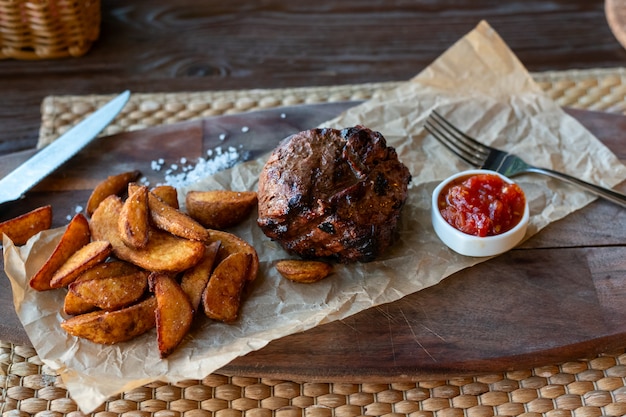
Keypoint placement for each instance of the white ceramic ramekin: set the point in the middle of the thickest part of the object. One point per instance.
(470, 245)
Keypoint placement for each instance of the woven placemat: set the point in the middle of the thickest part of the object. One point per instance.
(581, 388)
(584, 388)
(597, 89)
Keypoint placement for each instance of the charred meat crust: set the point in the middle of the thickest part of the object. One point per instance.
(333, 193)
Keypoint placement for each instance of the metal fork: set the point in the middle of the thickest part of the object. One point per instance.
(486, 157)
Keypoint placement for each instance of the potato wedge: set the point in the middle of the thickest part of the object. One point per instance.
(109, 269)
(163, 253)
(167, 194)
(222, 296)
(305, 271)
(74, 305)
(110, 327)
(174, 312)
(174, 221)
(76, 236)
(112, 292)
(133, 223)
(195, 279)
(112, 185)
(220, 209)
(21, 228)
(230, 243)
(84, 258)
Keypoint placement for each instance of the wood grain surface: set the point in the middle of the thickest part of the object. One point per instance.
(557, 297)
(188, 45)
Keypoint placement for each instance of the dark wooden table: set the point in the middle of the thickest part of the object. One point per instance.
(158, 46)
(186, 45)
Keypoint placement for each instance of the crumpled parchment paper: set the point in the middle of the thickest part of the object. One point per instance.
(481, 86)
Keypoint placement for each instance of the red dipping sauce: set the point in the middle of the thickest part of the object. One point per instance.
(482, 205)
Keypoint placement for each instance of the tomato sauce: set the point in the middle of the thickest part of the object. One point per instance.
(482, 205)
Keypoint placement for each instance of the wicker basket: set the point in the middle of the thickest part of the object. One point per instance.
(44, 29)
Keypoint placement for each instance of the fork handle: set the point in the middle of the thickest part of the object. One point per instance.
(606, 193)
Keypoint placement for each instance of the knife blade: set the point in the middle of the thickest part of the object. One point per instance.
(48, 159)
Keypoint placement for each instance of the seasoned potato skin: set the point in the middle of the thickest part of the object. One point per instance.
(112, 292)
(222, 296)
(108, 328)
(84, 258)
(304, 271)
(133, 224)
(220, 209)
(74, 305)
(112, 185)
(21, 228)
(195, 279)
(231, 243)
(76, 235)
(174, 312)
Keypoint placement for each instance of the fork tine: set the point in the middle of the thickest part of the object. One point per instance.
(466, 139)
(464, 146)
(461, 153)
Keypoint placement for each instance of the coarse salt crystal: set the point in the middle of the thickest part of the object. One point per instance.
(219, 159)
(77, 209)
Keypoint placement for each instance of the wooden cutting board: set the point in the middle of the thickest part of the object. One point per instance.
(558, 297)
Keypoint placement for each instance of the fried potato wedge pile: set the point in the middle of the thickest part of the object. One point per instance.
(136, 262)
(163, 251)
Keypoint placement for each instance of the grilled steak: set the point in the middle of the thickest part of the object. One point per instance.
(333, 193)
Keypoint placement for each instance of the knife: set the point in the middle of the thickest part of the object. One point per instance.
(44, 162)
